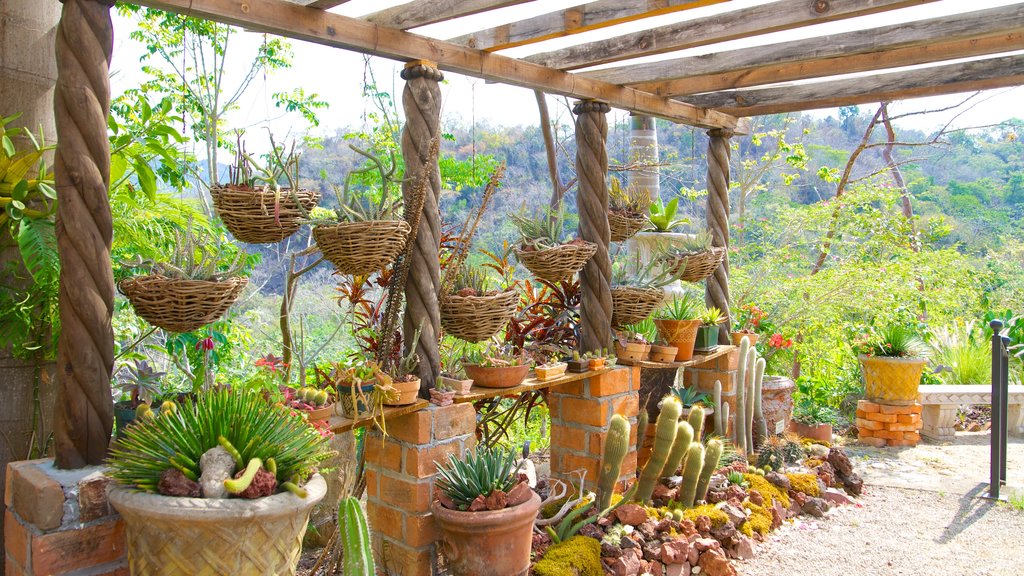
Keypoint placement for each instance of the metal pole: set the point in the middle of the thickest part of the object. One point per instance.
(995, 444)
(1004, 402)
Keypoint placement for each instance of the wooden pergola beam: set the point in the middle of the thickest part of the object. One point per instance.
(581, 18)
(319, 4)
(320, 27)
(934, 81)
(764, 19)
(423, 12)
(919, 33)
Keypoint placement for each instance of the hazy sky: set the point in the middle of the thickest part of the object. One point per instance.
(337, 75)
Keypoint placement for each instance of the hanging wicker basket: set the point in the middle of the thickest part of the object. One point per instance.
(477, 318)
(697, 266)
(558, 263)
(180, 305)
(631, 305)
(624, 226)
(255, 216)
(362, 248)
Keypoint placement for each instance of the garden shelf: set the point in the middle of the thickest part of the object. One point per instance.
(697, 359)
(477, 393)
(339, 423)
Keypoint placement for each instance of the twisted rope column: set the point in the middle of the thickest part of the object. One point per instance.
(85, 349)
(421, 100)
(592, 203)
(716, 292)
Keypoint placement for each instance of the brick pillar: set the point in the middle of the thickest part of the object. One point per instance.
(722, 368)
(58, 522)
(400, 470)
(580, 414)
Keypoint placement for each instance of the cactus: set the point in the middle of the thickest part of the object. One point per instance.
(696, 420)
(641, 428)
(227, 445)
(143, 411)
(691, 474)
(712, 454)
(748, 395)
(615, 448)
(762, 425)
(684, 436)
(168, 407)
(739, 430)
(238, 485)
(294, 489)
(355, 535)
(716, 396)
(664, 437)
(725, 418)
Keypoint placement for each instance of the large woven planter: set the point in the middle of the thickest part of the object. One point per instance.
(696, 266)
(477, 318)
(170, 536)
(891, 380)
(255, 216)
(679, 333)
(362, 248)
(558, 263)
(180, 305)
(487, 543)
(624, 226)
(631, 305)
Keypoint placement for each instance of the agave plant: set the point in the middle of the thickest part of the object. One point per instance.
(689, 396)
(685, 307)
(711, 316)
(178, 438)
(541, 229)
(477, 474)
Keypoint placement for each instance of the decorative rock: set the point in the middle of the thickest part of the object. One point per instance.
(693, 555)
(675, 552)
(836, 497)
(735, 514)
(263, 484)
(626, 543)
(519, 494)
(662, 492)
(736, 492)
(631, 514)
(779, 480)
(826, 474)
(798, 497)
(703, 544)
(744, 548)
(174, 483)
(840, 461)
(625, 565)
(673, 481)
(755, 497)
(216, 465)
(778, 515)
(496, 500)
(818, 450)
(714, 563)
(677, 570)
(610, 550)
(718, 482)
(853, 484)
(815, 507)
(687, 528)
(649, 529)
(703, 524)
(591, 531)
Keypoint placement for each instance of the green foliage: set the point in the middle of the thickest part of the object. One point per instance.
(198, 255)
(893, 341)
(540, 229)
(685, 307)
(653, 274)
(478, 473)
(577, 556)
(663, 216)
(689, 396)
(960, 354)
(711, 316)
(629, 200)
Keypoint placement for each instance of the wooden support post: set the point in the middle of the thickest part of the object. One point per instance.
(85, 349)
(716, 292)
(421, 100)
(592, 203)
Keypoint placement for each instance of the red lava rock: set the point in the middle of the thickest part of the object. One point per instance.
(778, 515)
(610, 550)
(744, 548)
(840, 461)
(662, 492)
(625, 565)
(263, 484)
(591, 531)
(605, 521)
(737, 492)
(826, 474)
(714, 563)
(541, 543)
(735, 513)
(649, 529)
(632, 514)
(496, 500)
(703, 524)
(836, 497)
(477, 504)
(798, 497)
(687, 528)
(519, 494)
(755, 497)
(677, 570)
(853, 484)
(675, 552)
(444, 499)
(174, 483)
(703, 544)
(656, 569)
(814, 507)
(779, 480)
(692, 556)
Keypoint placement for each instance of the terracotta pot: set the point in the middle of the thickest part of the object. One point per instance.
(819, 432)
(635, 351)
(737, 336)
(322, 413)
(408, 392)
(679, 333)
(663, 353)
(707, 338)
(489, 543)
(595, 363)
(550, 371)
(442, 397)
(777, 402)
(497, 376)
(891, 380)
(461, 387)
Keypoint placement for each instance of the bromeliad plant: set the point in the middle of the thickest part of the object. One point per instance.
(466, 483)
(663, 216)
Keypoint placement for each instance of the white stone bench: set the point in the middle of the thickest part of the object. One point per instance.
(940, 405)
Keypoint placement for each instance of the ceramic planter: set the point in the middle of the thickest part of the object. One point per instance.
(577, 366)
(707, 338)
(459, 386)
(819, 432)
(679, 333)
(442, 397)
(408, 392)
(891, 380)
(633, 351)
(322, 413)
(777, 402)
(497, 376)
(737, 336)
(168, 536)
(487, 543)
(353, 407)
(124, 414)
(663, 353)
(595, 363)
(546, 372)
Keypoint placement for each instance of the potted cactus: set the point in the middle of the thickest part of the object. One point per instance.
(550, 370)
(405, 382)
(453, 375)
(677, 324)
(707, 333)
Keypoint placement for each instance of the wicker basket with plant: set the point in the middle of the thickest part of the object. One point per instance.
(693, 257)
(627, 209)
(542, 249)
(473, 311)
(637, 290)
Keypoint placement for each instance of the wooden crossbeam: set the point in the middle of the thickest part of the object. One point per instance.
(319, 4)
(312, 25)
(423, 12)
(590, 16)
(763, 19)
(934, 81)
(919, 33)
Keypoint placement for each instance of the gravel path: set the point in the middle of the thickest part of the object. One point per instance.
(918, 516)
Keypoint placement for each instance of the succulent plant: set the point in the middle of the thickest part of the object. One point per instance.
(478, 473)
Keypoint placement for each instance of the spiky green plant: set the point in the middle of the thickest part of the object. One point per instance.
(893, 341)
(355, 536)
(689, 396)
(711, 316)
(178, 438)
(663, 216)
(542, 229)
(961, 354)
(685, 307)
(469, 278)
(478, 473)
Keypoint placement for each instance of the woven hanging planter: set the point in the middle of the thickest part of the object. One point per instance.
(558, 263)
(631, 305)
(477, 318)
(625, 226)
(254, 216)
(699, 265)
(362, 248)
(180, 305)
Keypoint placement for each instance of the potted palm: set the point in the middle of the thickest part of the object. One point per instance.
(707, 333)
(495, 368)
(222, 484)
(485, 510)
(543, 251)
(677, 324)
(892, 360)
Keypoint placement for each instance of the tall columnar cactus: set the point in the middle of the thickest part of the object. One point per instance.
(748, 394)
(721, 421)
(725, 418)
(740, 430)
(355, 536)
(762, 425)
(615, 448)
(691, 474)
(696, 420)
(664, 437)
(712, 454)
(641, 428)
(684, 435)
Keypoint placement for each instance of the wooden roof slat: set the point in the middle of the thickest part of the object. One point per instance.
(921, 32)
(320, 4)
(423, 12)
(311, 25)
(763, 19)
(933, 81)
(581, 18)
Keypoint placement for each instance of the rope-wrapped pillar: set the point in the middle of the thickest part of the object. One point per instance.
(85, 349)
(716, 292)
(592, 203)
(421, 100)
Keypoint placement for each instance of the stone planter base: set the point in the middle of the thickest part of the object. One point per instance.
(888, 424)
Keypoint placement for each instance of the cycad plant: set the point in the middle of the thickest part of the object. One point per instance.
(177, 438)
(477, 474)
